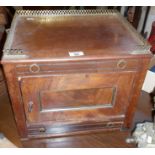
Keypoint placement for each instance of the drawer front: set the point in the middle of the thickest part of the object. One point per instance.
(76, 98)
(86, 66)
(54, 131)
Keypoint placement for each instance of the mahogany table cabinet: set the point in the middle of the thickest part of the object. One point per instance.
(73, 72)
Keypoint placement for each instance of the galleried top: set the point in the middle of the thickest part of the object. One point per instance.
(71, 35)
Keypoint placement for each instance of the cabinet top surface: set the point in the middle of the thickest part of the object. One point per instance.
(71, 35)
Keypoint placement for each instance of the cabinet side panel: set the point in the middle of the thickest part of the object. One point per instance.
(136, 90)
(16, 99)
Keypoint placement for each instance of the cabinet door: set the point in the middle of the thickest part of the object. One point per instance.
(76, 98)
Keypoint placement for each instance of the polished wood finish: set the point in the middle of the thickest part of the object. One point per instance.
(108, 139)
(72, 34)
(55, 94)
(101, 139)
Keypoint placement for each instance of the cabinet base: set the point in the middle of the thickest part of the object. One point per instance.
(105, 139)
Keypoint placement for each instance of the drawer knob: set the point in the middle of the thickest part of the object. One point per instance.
(42, 129)
(34, 68)
(121, 64)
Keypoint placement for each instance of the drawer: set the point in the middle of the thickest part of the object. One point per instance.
(53, 131)
(87, 66)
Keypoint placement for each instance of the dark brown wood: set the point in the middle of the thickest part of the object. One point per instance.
(55, 94)
(107, 139)
(2, 81)
(3, 23)
(7, 122)
(100, 139)
(137, 15)
(3, 16)
(45, 7)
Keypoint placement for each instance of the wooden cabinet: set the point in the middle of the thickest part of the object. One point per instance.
(76, 99)
(73, 72)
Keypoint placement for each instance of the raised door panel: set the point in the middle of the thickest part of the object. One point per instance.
(76, 98)
(72, 99)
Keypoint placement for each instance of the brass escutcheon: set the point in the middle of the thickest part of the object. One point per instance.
(34, 68)
(42, 129)
(121, 64)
